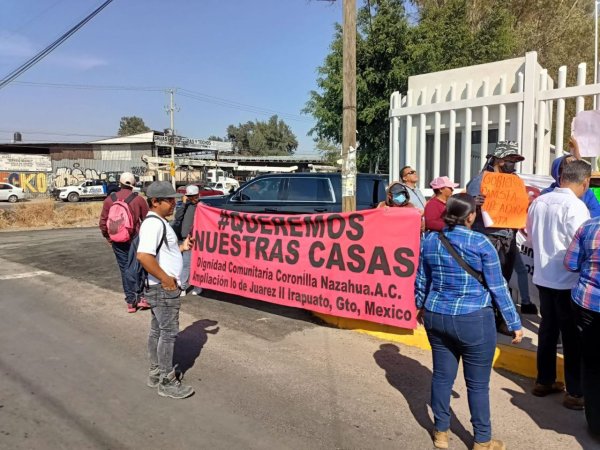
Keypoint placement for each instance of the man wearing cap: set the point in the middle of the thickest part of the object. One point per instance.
(183, 225)
(443, 188)
(138, 209)
(160, 254)
(502, 160)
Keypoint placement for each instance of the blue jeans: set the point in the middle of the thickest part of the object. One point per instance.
(121, 250)
(472, 337)
(164, 327)
(522, 279)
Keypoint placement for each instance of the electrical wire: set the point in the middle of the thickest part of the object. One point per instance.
(41, 55)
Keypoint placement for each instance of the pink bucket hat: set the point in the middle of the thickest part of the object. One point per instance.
(441, 182)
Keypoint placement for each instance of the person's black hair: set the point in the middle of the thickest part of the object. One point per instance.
(575, 172)
(436, 191)
(458, 208)
(402, 171)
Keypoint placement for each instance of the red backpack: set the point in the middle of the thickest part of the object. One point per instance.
(120, 220)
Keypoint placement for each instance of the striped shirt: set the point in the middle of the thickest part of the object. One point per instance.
(443, 287)
(583, 256)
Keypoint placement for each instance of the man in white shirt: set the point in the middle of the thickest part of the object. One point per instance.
(552, 222)
(160, 254)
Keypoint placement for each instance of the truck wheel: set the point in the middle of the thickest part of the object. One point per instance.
(73, 197)
(13, 199)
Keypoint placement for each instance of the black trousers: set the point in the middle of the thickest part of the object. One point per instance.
(588, 324)
(507, 253)
(558, 318)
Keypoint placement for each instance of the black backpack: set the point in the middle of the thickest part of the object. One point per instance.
(135, 272)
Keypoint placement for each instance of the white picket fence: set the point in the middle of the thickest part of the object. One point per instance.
(432, 128)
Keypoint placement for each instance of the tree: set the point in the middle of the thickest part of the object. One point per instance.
(132, 125)
(216, 138)
(271, 138)
(330, 151)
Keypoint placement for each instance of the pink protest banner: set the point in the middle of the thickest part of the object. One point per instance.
(359, 265)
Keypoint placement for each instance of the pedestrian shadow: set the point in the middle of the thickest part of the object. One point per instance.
(190, 343)
(413, 381)
(548, 412)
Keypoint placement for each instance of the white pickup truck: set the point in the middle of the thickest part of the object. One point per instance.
(86, 189)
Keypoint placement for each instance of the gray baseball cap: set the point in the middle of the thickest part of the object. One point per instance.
(162, 189)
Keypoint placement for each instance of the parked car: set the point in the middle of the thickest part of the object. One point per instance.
(205, 191)
(300, 193)
(87, 189)
(11, 193)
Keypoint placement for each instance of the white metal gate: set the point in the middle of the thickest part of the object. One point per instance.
(432, 128)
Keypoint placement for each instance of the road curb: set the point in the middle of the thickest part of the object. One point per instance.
(513, 359)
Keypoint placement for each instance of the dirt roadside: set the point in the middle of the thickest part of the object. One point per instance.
(49, 214)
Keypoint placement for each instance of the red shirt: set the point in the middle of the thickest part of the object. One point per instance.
(433, 214)
(139, 209)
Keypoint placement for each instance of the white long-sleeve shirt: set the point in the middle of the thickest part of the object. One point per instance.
(552, 221)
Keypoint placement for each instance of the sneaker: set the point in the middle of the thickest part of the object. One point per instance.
(153, 378)
(529, 308)
(143, 303)
(574, 403)
(541, 390)
(440, 439)
(197, 291)
(131, 308)
(494, 444)
(170, 386)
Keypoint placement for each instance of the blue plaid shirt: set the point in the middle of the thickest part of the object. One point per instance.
(443, 287)
(583, 256)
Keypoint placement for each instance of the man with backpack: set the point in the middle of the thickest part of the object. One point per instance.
(122, 214)
(159, 252)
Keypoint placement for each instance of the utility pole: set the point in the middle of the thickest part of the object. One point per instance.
(349, 115)
(171, 111)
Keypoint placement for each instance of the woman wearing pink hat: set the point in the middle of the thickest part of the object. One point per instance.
(443, 187)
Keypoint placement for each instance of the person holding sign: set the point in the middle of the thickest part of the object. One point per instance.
(458, 280)
(502, 161)
(552, 222)
(588, 198)
(397, 196)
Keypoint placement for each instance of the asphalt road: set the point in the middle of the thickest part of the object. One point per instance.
(73, 368)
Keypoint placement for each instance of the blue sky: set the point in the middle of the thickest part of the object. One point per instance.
(262, 53)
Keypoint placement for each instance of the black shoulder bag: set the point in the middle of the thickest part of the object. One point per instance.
(474, 273)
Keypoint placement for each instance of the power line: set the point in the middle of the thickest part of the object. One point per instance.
(41, 55)
(187, 93)
(93, 87)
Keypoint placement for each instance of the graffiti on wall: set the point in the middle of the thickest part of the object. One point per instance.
(34, 183)
(69, 176)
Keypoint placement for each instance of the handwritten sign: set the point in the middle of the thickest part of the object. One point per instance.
(330, 263)
(506, 201)
(586, 129)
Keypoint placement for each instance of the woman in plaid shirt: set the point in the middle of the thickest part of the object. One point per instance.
(456, 310)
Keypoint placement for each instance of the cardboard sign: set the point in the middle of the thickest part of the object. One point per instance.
(586, 129)
(359, 265)
(506, 201)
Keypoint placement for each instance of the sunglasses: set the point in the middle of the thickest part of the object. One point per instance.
(412, 172)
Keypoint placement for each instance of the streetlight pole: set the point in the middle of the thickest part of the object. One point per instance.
(172, 116)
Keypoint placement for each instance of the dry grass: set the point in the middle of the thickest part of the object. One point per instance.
(50, 214)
